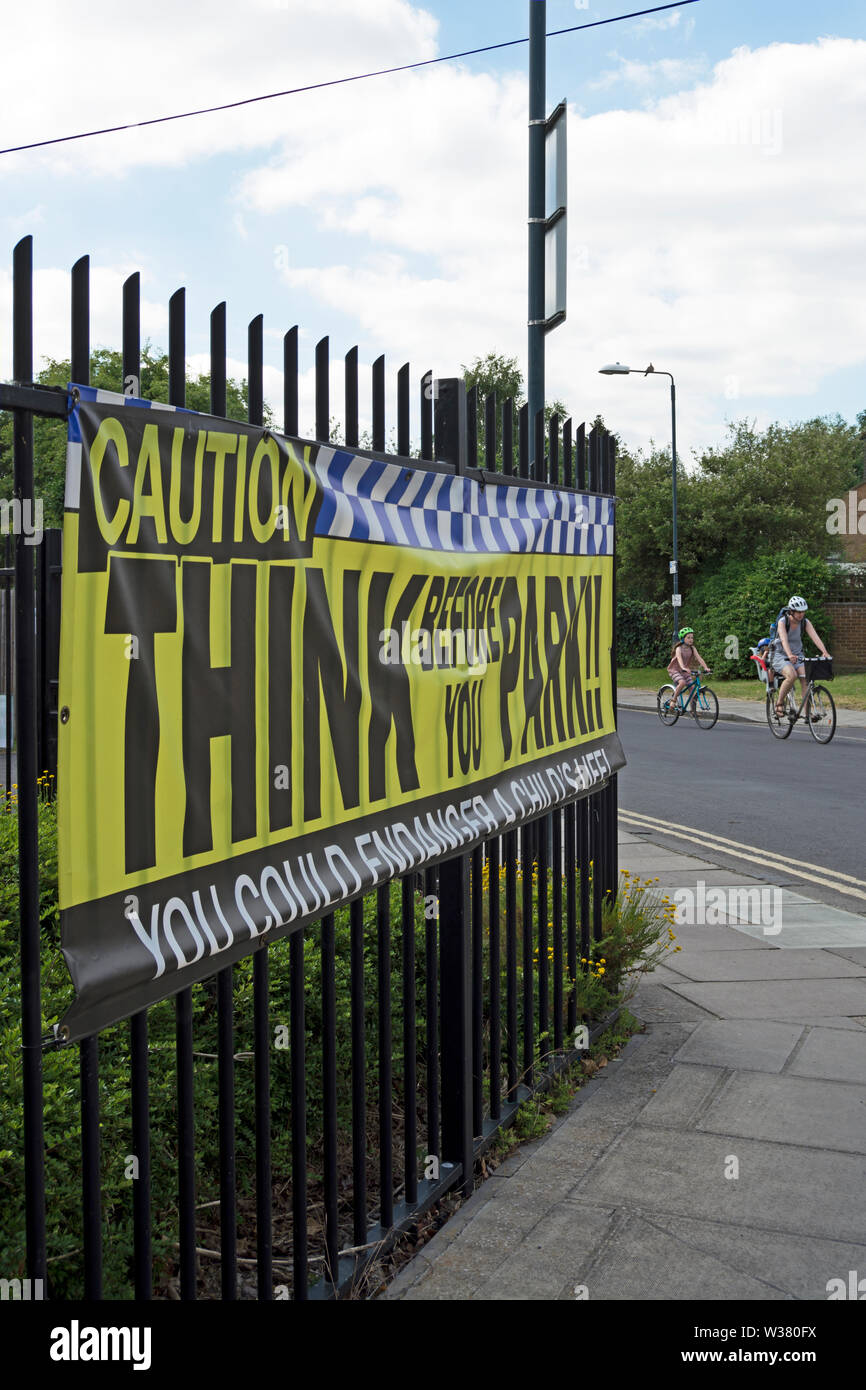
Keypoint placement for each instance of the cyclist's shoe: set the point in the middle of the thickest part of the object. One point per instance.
(815, 718)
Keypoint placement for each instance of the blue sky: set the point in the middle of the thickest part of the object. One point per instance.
(716, 203)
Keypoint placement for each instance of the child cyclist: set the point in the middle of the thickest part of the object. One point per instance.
(684, 653)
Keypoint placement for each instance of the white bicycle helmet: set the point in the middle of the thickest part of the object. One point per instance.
(797, 604)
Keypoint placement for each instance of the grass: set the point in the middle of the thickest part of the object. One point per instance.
(849, 692)
(536, 1115)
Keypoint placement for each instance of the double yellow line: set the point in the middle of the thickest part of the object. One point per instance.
(827, 878)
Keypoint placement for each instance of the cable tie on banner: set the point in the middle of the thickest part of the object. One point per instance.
(49, 1042)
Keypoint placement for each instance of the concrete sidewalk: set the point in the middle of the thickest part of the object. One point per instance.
(736, 711)
(722, 1156)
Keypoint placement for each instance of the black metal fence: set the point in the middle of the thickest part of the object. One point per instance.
(270, 1131)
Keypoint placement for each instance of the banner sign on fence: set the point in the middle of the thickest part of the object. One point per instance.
(290, 672)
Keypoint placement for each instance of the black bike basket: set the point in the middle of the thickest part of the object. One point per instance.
(818, 668)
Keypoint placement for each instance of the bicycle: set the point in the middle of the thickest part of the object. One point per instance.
(703, 701)
(817, 705)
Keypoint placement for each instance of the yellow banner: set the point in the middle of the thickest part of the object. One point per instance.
(269, 648)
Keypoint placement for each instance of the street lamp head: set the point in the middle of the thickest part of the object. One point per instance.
(614, 369)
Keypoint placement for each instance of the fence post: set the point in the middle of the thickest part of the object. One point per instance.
(26, 735)
(450, 435)
(48, 644)
(450, 423)
(614, 785)
(454, 1001)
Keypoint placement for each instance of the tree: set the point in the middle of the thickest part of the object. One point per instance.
(106, 373)
(499, 375)
(644, 518)
(760, 494)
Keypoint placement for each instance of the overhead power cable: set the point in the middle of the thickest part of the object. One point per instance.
(334, 81)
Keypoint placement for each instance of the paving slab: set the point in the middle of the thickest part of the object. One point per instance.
(645, 861)
(765, 965)
(832, 1054)
(719, 938)
(552, 1257)
(665, 974)
(751, 1044)
(792, 1265)
(648, 1261)
(799, 912)
(781, 1187)
(713, 878)
(683, 1096)
(809, 934)
(850, 1024)
(790, 1110)
(782, 999)
(662, 1004)
(855, 953)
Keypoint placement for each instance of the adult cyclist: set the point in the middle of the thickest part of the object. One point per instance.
(787, 657)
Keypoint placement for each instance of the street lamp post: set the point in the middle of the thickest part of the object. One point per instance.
(617, 369)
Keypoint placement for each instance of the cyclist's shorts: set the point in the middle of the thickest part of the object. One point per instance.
(780, 661)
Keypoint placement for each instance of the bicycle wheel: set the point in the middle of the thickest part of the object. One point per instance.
(706, 707)
(779, 727)
(666, 706)
(821, 703)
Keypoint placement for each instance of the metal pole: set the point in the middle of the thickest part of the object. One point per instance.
(676, 588)
(28, 825)
(537, 98)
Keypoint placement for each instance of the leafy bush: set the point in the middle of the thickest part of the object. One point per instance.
(643, 632)
(743, 599)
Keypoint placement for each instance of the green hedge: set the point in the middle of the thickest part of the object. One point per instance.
(643, 631)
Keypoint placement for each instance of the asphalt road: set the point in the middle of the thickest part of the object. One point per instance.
(796, 799)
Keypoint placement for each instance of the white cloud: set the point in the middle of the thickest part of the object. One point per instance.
(669, 71)
(670, 19)
(136, 63)
(717, 232)
(51, 313)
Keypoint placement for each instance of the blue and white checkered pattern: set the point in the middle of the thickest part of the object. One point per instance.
(368, 500)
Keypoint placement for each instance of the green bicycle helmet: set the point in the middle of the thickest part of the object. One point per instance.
(684, 632)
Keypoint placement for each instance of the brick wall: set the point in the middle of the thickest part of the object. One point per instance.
(849, 635)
